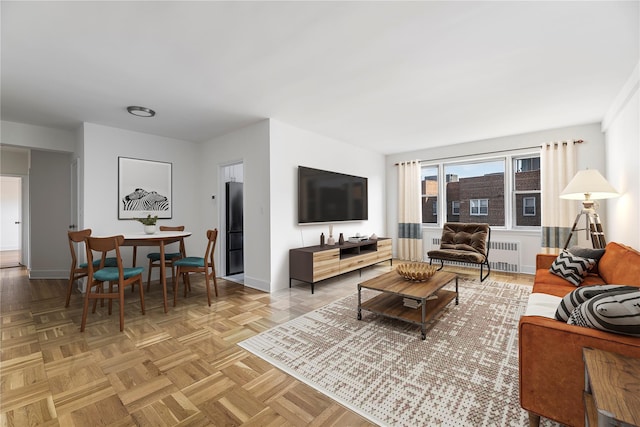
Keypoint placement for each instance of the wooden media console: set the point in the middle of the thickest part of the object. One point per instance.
(312, 264)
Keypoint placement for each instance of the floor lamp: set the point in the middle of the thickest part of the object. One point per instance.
(589, 185)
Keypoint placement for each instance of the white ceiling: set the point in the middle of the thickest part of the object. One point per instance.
(390, 76)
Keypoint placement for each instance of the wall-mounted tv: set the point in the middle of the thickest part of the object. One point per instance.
(325, 196)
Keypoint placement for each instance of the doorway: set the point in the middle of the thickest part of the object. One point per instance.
(234, 222)
(11, 221)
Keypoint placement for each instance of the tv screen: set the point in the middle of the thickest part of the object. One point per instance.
(325, 196)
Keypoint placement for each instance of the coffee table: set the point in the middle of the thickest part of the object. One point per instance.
(394, 289)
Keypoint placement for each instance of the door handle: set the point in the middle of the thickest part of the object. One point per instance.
(17, 222)
(72, 227)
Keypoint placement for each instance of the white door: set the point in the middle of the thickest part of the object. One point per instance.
(10, 221)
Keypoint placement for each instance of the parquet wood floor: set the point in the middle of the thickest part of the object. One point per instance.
(181, 368)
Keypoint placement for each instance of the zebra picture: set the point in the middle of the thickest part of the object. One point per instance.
(143, 200)
(144, 187)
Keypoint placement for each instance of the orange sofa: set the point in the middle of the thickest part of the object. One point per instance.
(550, 351)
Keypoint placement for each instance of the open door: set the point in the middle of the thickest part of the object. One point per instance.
(11, 222)
(234, 227)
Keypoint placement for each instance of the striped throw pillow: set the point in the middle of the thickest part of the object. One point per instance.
(583, 293)
(572, 268)
(619, 313)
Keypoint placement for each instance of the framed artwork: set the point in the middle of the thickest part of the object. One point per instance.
(144, 188)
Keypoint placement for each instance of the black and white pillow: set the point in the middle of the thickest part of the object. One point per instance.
(571, 267)
(583, 293)
(618, 312)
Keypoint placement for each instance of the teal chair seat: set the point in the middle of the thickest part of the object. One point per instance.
(190, 261)
(111, 274)
(109, 262)
(155, 256)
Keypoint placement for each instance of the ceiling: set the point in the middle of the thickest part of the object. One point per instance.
(388, 76)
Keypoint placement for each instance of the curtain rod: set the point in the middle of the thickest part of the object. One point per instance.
(577, 141)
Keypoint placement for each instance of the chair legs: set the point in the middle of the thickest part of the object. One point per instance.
(187, 285)
(70, 288)
(100, 294)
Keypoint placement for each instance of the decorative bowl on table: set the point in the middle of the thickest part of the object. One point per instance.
(416, 271)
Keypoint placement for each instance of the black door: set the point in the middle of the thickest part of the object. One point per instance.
(235, 253)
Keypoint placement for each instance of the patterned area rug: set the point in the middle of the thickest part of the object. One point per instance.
(464, 374)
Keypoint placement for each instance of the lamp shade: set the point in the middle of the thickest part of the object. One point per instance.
(588, 184)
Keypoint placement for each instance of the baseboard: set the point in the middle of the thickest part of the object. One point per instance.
(49, 274)
(253, 283)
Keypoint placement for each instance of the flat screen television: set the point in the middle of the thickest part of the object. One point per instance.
(325, 196)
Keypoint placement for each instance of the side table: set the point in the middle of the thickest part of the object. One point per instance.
(612, 389)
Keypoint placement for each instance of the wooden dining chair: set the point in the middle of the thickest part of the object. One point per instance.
(169, 258)
(78, 271)
(205, 265)
(115, 276)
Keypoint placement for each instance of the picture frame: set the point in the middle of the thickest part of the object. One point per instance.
(144, 188)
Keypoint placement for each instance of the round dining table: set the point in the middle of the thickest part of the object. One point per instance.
(160, 239)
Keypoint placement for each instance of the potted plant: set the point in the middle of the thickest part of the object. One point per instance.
(149, 223)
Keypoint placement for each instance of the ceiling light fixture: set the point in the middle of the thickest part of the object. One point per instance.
(141, 111)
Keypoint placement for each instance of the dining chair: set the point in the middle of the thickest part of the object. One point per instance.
(169, 258)
(205, 265)
(78, 271)
(115, 276)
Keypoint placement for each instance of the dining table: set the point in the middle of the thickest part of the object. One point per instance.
(160, 239)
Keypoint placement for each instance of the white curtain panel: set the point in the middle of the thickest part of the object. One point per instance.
(409, 212)
(557, 168)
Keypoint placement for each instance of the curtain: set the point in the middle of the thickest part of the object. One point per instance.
(557, 168)
(409, 212)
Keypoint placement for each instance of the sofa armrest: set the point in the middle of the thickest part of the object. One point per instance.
(544, 261)
(551, 367)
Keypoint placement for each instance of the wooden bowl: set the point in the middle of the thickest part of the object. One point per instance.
(416, 271)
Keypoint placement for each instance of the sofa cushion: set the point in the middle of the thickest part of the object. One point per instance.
(582, 294)
(542, 305)
(572, 267)
(617, 312)
(587, 252)
(610, 265)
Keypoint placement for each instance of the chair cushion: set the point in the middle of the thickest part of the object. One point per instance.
(465, 236)
(108, 262)
(457, 255)
(155, 256)
(110, 274)
(190, 261)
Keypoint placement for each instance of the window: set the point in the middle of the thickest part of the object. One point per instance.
(526, 191)
(529, 206)
(429, 185)
(455, 207)
(503, 191)
(479, 207)
(476, 185)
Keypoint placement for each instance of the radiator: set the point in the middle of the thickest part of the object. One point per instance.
(503, 256)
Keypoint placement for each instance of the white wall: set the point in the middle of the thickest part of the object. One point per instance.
(49, 196)
(249, 145)
(291, 147)
(102, 146)
(37, 137)
(622, 129)
(591, 154)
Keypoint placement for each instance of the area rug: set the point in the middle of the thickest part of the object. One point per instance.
(464, 374)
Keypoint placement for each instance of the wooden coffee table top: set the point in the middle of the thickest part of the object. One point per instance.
(393, 283)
